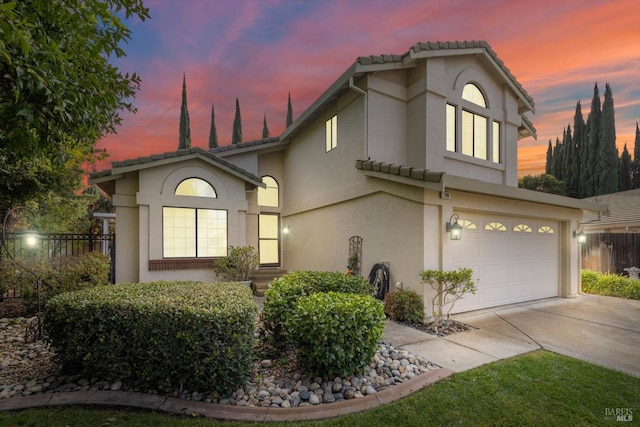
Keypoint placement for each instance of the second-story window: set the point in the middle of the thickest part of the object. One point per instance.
(468, 129)
(331, 136)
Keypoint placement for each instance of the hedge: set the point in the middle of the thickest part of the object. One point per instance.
(610, 285)
(283, 293)
(164, 334)
(336, 333)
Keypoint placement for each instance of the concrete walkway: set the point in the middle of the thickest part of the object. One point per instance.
(601, 330)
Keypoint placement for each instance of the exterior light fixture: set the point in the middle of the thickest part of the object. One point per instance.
(285, 230)
(454, 228)
(580, 235)
(30, 239)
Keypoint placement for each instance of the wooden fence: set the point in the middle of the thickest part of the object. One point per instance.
(611, 252)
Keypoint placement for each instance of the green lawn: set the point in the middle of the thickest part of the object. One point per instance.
(540, 388)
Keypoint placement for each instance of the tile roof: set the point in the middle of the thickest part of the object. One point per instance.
(410, 172)
(439, 46)
(247, 144)
(141, 162)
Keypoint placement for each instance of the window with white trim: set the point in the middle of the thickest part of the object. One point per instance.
(331, 135)
(268, 196)
(193, 232)
(467, 127)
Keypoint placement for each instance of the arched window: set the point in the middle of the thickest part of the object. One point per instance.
(522, 228)
(473, 94)
(495, 226)
(195, 187)
(467, 225)
(470, 128)
(268, 196)
(545, 229)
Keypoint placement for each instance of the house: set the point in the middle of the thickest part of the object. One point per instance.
(398, 148)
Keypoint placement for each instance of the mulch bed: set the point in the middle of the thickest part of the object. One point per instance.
(443, 329)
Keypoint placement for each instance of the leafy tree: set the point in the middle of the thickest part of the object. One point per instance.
(544, 183)
(236, 137)
(625, 170)
(265, 128)
(289, 112)
(607, 151)
(185, 129)
(213, 133)
(58, 90)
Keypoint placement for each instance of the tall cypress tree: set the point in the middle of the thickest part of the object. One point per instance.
(625, 170)
(578, 143)
(289, 112)
(607, 151)
(185, 130)
(213, 133)
(236, 136)
(593, 169)
(636, 159)
(556, 166)
(549, 164)
(571, 179)
(265, 128)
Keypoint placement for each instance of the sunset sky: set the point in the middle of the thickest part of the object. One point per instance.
(260, 50)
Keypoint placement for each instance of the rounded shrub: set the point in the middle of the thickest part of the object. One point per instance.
(164, 334)
(336, 334)
(404, 306)
(283, 293)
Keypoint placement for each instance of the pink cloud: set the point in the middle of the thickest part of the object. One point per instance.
(259, 51)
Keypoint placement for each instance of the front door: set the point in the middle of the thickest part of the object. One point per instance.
(269, 239)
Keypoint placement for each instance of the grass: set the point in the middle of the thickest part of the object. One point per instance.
(536, 389)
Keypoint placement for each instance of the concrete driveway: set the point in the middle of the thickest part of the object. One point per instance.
(600, 330)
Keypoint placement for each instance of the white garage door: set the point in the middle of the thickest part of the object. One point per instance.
(513, 259)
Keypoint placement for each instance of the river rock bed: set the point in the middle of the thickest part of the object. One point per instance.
(27, 369)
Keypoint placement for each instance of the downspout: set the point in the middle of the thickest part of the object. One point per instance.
(366, 117)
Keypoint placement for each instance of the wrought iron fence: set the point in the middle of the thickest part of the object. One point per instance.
(56, 248)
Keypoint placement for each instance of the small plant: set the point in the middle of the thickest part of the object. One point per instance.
(239, 264)
(404, 306)
(336, 333)
(450, 286)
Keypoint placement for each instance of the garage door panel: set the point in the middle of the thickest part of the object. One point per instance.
(496, 274)
(511, 266)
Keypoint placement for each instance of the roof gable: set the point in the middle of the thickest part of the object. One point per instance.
(373, 63)
(119, 168)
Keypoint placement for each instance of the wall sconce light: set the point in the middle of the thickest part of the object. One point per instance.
(580, 235)
(454, 229)
(285, 230)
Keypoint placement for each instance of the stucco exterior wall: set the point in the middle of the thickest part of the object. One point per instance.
(314, 177)
(407, 117)
(390, 226)
(127, 230)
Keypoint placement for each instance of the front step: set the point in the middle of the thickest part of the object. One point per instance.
(260, 279)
